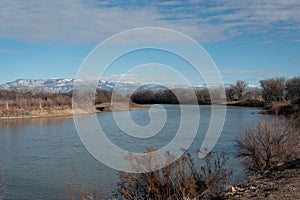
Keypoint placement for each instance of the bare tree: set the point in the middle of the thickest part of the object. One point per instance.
(292, 87)
(239, 89)
(273, 89)
(217, 94)
(230, 94)
(254, 94)
(203, 96)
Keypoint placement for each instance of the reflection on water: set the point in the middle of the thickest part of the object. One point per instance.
(42, 155)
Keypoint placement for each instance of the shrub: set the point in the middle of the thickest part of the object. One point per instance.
(281, 108)
(268, 144)
(80, 194)
(180, 180)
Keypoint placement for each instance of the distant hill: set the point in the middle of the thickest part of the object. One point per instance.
(65, 85)
(60, 85)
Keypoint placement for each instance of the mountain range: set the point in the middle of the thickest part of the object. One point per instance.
(65, 85)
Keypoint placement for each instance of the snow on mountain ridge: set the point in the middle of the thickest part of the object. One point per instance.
(65, 85)
(62, 85)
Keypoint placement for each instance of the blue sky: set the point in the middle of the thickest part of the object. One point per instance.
(248, 40)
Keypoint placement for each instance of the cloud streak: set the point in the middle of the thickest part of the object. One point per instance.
(89, 22)
(7, 51)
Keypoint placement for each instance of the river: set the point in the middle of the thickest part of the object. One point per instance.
(45, 159)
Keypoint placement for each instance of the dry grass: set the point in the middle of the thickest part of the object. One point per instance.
(78, 192)
(268, 144)
(180, 180)
(280, 108)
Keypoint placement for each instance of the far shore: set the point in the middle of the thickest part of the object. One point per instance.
(18, 113)
(36, 112)
(28, 113)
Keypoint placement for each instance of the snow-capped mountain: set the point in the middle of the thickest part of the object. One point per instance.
(38, 85)
(65, 85)
(62, 85)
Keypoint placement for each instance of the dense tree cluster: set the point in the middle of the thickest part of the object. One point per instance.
(273, 89)
(177, 95)
(278, 89)
(154, 97)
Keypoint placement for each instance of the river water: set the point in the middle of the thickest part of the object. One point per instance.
(45, 159)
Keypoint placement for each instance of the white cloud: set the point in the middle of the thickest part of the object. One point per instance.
(257, 73)
(7, 51)
(81, 22)
(241, 71)
(74, 22)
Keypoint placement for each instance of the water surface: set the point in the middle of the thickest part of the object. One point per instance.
(43, 158)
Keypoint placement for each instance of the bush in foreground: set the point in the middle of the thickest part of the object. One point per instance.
(268, 144)
(181, 180)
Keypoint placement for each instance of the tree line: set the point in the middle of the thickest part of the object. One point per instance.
(270, 90)
(27, 99)
(18, 99)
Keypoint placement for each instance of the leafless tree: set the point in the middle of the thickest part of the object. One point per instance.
(238, 89)
(273, 89)
(292, 87)
(203, 96)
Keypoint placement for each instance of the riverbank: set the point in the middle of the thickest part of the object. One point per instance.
(285, 108)
(247, 103)
(283, 183)
(21, 113)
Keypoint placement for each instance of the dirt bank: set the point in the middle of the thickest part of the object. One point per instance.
(281, 184)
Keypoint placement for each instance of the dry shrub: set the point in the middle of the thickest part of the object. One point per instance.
(180, 180)
(281, 108)
(268, 144)
(79, 193)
